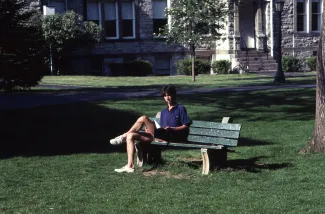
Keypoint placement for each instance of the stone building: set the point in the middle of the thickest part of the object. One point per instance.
(251, 32)
(249, 40)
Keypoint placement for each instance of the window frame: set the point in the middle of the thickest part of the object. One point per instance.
(168, 60)
(308, 17)
(319, 14)
(119, 19)
(158, 18)
(116, 21)
(133, 19)
(99, 20)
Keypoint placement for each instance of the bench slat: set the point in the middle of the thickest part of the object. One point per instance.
(215, 125)
(212, 140)
(186, 145)
(214, 132)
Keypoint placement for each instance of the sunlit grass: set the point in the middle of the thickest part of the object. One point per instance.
(57, 159)
(154, 82)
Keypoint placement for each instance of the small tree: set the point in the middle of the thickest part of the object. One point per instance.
(22, 46)
(68, 32)
(195, 23)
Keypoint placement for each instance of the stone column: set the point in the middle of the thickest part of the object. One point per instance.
(259, 21)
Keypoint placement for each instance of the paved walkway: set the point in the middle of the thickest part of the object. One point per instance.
(18, 101)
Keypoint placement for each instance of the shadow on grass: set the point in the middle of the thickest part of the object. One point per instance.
(253, 165)
(250, 142)
(271, 105)
(250, 165)
(61, 129)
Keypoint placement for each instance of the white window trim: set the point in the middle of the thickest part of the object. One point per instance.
(117, 23)
(308, 14)
(133, 23)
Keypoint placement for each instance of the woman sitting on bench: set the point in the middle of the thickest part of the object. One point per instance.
(174, 123)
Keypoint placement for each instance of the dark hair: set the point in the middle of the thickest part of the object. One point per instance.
(168, 89)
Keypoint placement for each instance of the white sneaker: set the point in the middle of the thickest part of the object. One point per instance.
(118, 140)
(124, 169)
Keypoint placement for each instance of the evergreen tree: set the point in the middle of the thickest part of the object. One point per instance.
(21, 45)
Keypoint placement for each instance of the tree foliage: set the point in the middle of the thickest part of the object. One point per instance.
(22, 45)
(195, 23)
(67, 32)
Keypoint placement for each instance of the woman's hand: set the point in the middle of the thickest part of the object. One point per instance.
(169, 129)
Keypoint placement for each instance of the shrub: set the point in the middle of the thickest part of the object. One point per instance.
(291, 64)
(184, 67)
(131, 68)
(311, 63)
(221, 66)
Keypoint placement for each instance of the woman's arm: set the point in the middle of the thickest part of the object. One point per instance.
(178, 128)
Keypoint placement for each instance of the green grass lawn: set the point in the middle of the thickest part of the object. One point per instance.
(57, 159)
(91, 83)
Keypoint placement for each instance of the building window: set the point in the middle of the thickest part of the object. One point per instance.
(301, 15)
(128, 23)
(316, 15)
(93, 11)
(308, 15)
(116, 17)
(159, 18)
(59, 5)
(111, 19)
(162, 65)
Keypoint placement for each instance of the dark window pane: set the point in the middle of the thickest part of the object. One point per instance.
(314, 22)
(127, 28)
(110, 28)
(300, 22)
(300, 7)
(315, 7)
(157, 24)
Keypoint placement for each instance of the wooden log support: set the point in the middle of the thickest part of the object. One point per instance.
(213, 159)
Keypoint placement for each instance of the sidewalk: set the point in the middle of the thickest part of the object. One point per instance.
(19, 101)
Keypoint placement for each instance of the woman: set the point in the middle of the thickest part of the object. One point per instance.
(174, 123)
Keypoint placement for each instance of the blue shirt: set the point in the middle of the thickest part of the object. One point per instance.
(177, 116)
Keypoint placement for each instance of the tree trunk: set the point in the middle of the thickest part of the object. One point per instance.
(193, 63)
(317, 144)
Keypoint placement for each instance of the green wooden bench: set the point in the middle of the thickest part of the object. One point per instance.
(212, 138)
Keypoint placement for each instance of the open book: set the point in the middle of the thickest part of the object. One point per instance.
(157, 125)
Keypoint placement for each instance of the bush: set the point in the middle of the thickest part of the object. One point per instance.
(291, 64)
(221, 66)
(131, 68)
(311, 63)
(184, 67)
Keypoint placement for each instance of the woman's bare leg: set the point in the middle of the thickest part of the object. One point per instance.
(137, 126)
(131, 137)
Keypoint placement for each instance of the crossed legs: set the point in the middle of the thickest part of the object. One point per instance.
(133, 134)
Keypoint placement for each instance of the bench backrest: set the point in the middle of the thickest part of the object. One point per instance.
(205, 132)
